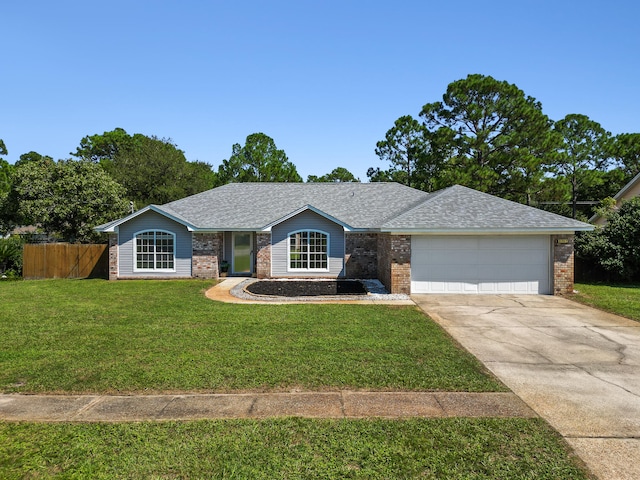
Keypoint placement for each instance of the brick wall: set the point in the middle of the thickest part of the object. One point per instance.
(206, 255)
(113, 256)
(384, 259)
(361, 255)
(394, 262)
(563, 264)
(263, 255)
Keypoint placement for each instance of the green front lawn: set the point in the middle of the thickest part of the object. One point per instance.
(94, 336)
(289, 448)
(622, 300)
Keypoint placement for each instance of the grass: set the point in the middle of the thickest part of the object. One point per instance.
(622, 300)
(289, 448)
(94, 336)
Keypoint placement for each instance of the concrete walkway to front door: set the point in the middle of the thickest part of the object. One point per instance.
(575, 366)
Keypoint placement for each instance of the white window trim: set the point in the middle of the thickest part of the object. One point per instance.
(135, 251)
(302, 270)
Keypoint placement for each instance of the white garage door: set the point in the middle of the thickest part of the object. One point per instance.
(480, 264)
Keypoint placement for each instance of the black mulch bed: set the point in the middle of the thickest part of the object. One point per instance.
(302, 288)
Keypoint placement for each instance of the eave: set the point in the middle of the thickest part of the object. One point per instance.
(488, 231)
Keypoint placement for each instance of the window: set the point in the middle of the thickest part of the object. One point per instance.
(308, 250)
(155, 250)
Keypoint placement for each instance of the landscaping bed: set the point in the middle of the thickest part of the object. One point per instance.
(306, 288)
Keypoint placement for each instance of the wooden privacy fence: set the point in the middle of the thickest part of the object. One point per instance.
(65, 260)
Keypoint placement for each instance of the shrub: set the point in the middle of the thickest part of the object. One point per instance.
(615, 247)
(11, 257)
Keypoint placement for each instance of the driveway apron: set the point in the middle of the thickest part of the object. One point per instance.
(575, 366)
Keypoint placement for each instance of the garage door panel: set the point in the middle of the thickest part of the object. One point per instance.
(480, 264)
(519, 287)
(454, 243)
(446, 273)
(448, 287)
(442, 257)
(511, 272)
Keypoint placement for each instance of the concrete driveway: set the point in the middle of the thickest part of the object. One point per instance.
(575, 366)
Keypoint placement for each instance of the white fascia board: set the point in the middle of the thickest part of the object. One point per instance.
(112, 227)
(269, 226)
(493, 231)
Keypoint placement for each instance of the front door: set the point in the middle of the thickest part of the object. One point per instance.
(242, 253)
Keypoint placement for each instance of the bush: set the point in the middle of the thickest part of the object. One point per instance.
(11, 257)
(615, 247)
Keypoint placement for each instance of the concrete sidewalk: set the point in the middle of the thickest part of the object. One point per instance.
(343, 404)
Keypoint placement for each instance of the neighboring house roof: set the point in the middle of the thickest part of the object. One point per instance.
(629, 191)
(389, 207)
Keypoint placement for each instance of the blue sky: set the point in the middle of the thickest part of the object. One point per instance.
(324, 79)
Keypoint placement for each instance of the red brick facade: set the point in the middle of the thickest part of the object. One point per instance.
(563, 264)
(113, 256)
(361, 255)
(207, 254)
(394, 262)
(263, 255)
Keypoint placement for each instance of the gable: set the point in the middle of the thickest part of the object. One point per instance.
(150, 220)
(115, 225)
(306, 208)
(306, 220)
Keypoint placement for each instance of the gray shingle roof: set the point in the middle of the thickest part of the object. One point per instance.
(359, 206)
(461, 208)
(255, 205)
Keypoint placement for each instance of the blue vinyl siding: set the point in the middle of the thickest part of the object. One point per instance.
(153, 221)
(307, 220)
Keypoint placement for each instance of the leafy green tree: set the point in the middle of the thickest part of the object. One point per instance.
(378, 175)
(615, 247)
(32, 157)
(5, 173)
(68, 198)
(405, 148)
(606, 183)
(8, 206)
(582, 153)
(154, 170)
(496, 138)
(258, 160)
(5, 176)
(337, 175)
(104, 148)
(5, 186)
(151, 169)
(624, 149)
